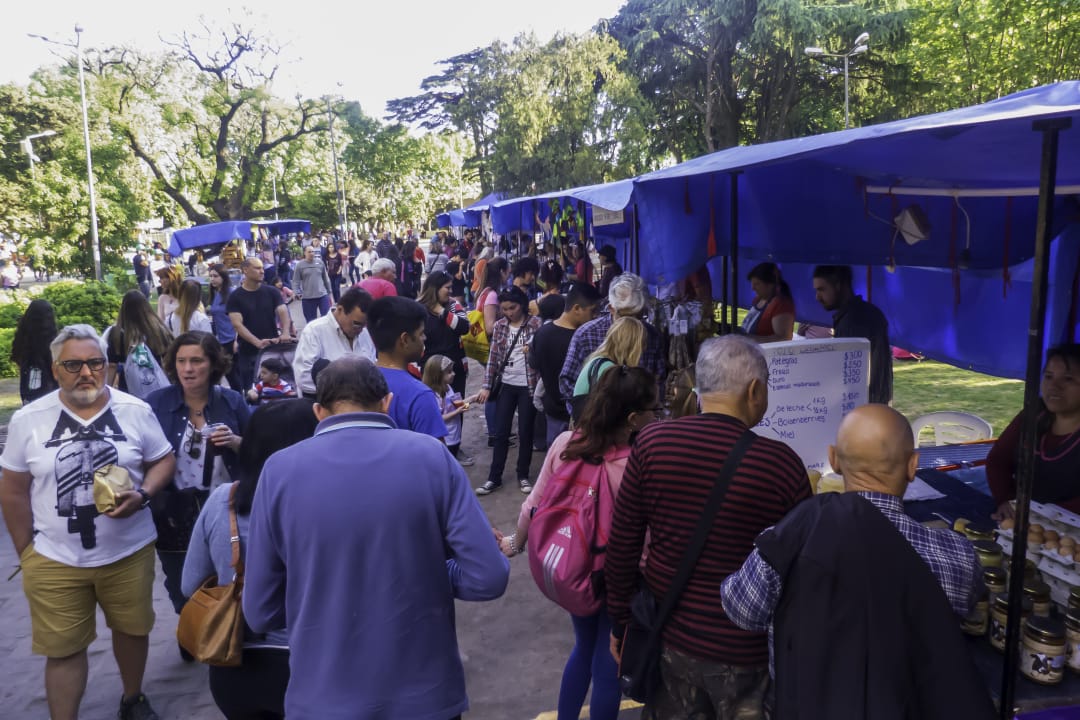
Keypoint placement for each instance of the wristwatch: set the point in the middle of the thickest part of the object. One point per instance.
(145, 498)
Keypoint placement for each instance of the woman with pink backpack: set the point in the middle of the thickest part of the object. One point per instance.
(569, 515)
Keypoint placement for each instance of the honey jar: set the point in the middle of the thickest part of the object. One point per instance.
(978, 620)
(1072, 639)
(995, 579)
(1038, 593)
(980, 531)
(1042, 652)
(988, 553)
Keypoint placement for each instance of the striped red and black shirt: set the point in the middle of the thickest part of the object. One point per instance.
(672, 469)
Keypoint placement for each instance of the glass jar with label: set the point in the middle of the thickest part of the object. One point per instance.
(988, 553)
(1038, 593)
(1042, 652)
(995, 579)
(1072, 639)
(999, 620)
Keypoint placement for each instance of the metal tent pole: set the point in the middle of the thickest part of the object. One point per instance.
(1025, 473)
(734, 202)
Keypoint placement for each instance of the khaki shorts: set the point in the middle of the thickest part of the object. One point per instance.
(63, 600)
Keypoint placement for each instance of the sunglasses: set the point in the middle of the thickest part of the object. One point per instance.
(193, 447)
(75, 366)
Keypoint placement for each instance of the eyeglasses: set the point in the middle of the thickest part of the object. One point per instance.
(75, 366)
(193, 447)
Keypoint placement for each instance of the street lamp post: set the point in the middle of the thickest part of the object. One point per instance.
(337, 178)
(77, 45)
(861, 46)
(27, 145)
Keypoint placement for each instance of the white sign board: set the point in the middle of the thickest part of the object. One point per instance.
(813, 384)
(601, 217)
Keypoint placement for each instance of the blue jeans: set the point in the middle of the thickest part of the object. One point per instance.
(313, 307)
(590, 660)
(555, 428)
(172, 565)
(512, 398)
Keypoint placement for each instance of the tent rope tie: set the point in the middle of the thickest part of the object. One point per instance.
(710, 246)
(896, 231)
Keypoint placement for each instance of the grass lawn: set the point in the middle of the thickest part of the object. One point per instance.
(922, 387)
(9, 399)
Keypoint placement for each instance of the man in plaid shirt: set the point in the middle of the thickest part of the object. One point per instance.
(626, 298)
(875, 453)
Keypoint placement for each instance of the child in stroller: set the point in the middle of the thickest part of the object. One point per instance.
(275, 375)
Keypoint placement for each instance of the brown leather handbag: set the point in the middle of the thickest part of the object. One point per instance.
(211, 625)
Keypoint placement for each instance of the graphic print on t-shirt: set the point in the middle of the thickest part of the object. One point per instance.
(83, 450)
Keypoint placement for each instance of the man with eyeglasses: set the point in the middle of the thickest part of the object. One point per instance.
(342, 332)
(80, 547)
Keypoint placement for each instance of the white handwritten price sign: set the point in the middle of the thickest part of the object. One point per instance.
(813, 384)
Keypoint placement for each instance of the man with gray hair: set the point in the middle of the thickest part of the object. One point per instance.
(710, 667)
(626, 298)
(368, 555)
(381, 283)
(79, 469)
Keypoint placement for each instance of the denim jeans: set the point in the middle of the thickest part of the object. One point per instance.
(590, 662)
(555, 428)
(313, 307)
(512, 398)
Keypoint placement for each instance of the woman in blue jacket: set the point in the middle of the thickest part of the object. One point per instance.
(205, 424)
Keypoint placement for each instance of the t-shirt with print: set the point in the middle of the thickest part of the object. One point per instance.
(514, 370)
(414, 405)
(62, 452)
(453, 425)
(258, 309)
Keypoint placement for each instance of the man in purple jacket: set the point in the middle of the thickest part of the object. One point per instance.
(361, 556)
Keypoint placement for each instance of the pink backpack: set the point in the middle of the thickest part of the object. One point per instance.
(569, 532)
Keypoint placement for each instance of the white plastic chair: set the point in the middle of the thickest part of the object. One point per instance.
(952, 427)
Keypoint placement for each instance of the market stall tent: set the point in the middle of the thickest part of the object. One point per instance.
(211, 234)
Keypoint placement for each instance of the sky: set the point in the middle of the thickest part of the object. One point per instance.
(369, 51)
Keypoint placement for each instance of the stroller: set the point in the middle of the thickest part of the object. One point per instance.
(284, 353)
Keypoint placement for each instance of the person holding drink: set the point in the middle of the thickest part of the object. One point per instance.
(205, 423)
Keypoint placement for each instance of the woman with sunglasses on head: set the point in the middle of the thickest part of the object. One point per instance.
(205, 423)
(625, 401)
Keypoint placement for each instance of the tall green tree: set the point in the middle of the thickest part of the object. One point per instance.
(203, 119)
(723, 72)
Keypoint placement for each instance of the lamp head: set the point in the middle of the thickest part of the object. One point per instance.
(862, 39)
(814, 51)
(860, 50)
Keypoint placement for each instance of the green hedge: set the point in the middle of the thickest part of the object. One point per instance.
(7, 368)
(93, 303)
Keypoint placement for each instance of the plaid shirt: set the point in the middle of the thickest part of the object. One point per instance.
(751, 595)
(501, 337)
(591, 335)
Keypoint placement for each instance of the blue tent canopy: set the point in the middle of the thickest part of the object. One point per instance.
(287, 226)
(522, 213)
(825, 198)
(469, 216)
(212, 234)
(959, 295)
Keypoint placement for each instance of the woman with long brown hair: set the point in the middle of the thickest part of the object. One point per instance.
(625, 401)
(136, 325)
(189, 314)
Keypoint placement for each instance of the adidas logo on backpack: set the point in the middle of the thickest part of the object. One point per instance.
(568, 535)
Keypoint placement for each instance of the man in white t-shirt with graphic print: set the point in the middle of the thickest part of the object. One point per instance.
(74, 557)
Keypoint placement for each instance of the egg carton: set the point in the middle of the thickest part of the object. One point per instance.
(1056, 517)
(1061, 575)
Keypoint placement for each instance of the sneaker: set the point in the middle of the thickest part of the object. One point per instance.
(487, 488)
(466, 460)
(137, 708)
(526, 486)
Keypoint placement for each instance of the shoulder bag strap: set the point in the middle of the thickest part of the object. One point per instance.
(701, 534)
(506, 358)
(234, 539)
